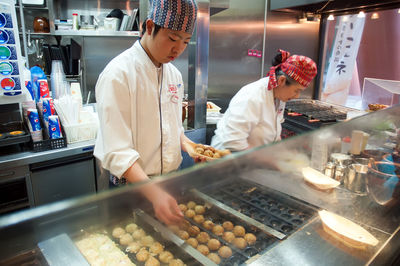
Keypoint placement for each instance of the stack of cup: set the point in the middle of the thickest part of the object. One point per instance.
(57, 78)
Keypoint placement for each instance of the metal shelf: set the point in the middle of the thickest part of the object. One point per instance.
(96, 33)
(33, 7)
(38, 33)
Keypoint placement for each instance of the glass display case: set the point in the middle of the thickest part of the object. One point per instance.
(327, 197)
(380, 93)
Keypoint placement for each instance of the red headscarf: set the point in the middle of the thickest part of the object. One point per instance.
(298, 67)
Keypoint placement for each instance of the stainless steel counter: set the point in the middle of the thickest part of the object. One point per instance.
(30, 157)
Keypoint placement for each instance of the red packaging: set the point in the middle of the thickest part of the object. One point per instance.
(44, 88)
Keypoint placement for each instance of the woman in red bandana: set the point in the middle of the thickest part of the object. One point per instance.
(255, 113)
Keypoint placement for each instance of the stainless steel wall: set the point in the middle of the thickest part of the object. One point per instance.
(283, 31)
(233, 32)
(241, 27)
(97, 53)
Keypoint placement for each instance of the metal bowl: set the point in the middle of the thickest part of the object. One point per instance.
(341, 159)
(384, 182)
(377, 155)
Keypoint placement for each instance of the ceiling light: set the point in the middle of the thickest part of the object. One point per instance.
(345, 18)
(374, 16)
(398, 11)
(330, 17)
(361, 14)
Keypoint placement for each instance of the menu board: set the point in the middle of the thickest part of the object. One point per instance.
(10, 54)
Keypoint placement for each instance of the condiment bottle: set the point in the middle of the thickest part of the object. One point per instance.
(75, 21)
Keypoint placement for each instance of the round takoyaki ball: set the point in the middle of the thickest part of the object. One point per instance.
(217, 155)
(224, 152)
(211, 148)
(190, 213)
(183, 207)
(193, 242)
(152, 262)
(184, 225)
(126, 239)
(214, 258)
(138, 234)
(208, 153)
(133, 247)
(174, 228)
(130, 228)
(250, 238)
(199, 209)
(183, 234)
(156, 248)
(203, 237)
(203, 249)
(191, 204)
(199, 150)
(166, 256)
(208, 225)
(228, 226)
(118, 232)
(214, 244)
(218, 230)
(239, 242)
(147, 241)
(193, 231)
(198, 218)
(238, 230)
(142, 255)
(176, 262)
(228, 236)
(225, 252)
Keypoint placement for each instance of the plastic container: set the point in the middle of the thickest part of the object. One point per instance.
(86, 130)
(33, 2)
(380, 91)
(49, 144)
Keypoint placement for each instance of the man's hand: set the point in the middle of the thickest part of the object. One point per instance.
(166, 208)
(187, 146)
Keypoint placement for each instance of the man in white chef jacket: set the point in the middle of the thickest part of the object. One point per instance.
(139, 100)
(255, 113)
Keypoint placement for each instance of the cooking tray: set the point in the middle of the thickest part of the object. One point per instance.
(218, 215)
(154, 229)
(315, 110)
(9, 139)
(267, 206)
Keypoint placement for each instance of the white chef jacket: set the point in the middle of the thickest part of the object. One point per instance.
(134, 126)
(252, 119)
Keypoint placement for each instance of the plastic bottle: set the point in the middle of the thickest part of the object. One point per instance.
(75, 21)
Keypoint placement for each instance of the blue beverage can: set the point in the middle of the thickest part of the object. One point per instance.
(54, 127)
(33, 118)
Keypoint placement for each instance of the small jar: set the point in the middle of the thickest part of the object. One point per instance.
(330, 170)
(340, 173)
(75, 21)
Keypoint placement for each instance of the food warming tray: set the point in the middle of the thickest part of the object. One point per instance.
(218, 213)
(155, 229)
(271, 208)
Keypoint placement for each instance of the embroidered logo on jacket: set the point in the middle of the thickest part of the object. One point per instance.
(173, 92)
